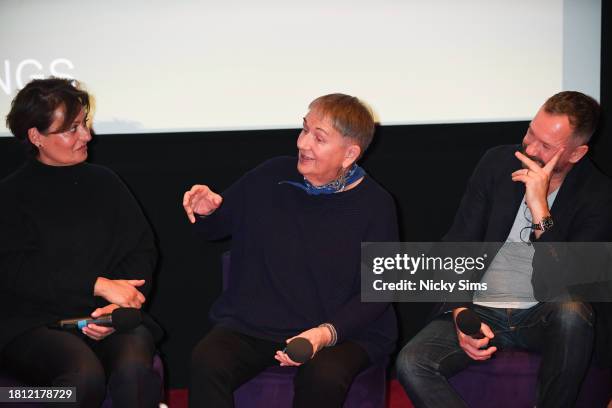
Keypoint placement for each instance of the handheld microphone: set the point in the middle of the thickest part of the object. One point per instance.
(468, 322)
(122, 319)
(299, 350)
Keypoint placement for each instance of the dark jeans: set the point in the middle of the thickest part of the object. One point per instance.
(224, 360)
(49, 357)
(561, 332)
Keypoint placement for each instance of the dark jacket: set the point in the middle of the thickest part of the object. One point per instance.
(582, 212)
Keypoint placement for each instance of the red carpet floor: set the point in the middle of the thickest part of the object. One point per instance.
(396, 397)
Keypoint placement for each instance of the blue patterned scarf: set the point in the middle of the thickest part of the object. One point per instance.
(334, 186)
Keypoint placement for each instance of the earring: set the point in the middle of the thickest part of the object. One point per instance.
(342, 178)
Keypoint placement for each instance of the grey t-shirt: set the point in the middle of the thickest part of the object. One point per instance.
(508, 277)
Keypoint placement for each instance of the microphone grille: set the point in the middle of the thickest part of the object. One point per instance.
(299, 350)
(468, 322)
(126, 318)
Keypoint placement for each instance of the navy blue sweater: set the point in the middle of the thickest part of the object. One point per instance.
(296, 258)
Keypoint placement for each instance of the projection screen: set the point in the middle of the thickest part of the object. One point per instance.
(164, 66)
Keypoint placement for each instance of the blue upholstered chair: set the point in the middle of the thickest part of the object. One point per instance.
(274, 386)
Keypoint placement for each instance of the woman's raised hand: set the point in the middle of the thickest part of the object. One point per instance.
(200, 200)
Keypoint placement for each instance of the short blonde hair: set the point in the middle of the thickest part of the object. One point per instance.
(348, 115)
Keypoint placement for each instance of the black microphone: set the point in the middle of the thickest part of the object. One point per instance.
(299, 350)
(468, 322)
(122, 319)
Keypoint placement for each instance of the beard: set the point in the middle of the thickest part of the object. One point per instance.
(559, 168)
(534, 158)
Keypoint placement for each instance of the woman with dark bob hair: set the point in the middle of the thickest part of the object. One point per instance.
(297, 224)
(74, 242)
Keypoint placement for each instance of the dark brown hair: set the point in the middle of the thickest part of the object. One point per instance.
(34, 105)
(581, 110)
(348, 115)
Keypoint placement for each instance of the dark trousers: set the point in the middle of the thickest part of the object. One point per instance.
(561, 332)
(224, 360)
(50, 357)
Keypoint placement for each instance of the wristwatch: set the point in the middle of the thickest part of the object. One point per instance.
(544, 225)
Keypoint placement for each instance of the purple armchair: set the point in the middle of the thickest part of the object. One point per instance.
(7, 380)
(509, 380)
(274, 386)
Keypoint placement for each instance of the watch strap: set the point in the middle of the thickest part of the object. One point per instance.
(544, 225)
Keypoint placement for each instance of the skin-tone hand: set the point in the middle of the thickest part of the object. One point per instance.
(319, 337)
(472, 346)
(121, 292)
(537, 184)
(200, 200)
(96, 332)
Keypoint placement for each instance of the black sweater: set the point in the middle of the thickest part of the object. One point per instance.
(296, 258)
(60, 229)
